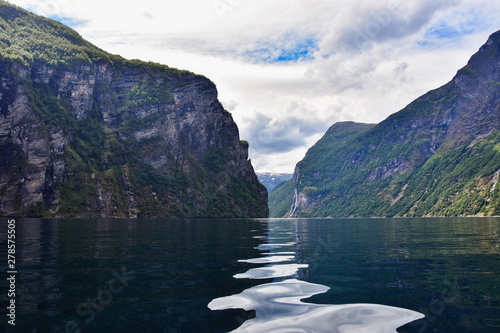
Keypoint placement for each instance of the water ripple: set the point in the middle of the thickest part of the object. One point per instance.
(279, 308)
(271, 272)
(269, 260)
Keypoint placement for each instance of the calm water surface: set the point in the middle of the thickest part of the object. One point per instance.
(264, 275)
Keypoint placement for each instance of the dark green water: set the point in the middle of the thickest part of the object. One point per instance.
(361, 275)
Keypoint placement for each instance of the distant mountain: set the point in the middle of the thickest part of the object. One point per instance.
(87, 133)
(271, 180)
(439, 156)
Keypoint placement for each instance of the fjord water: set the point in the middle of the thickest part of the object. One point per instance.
(259, 275)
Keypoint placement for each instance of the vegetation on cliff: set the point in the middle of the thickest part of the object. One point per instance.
(87, 133)
(439, 156)
(27, 38)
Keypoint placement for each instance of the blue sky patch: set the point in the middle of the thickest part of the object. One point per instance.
(441, 32)
(288, 49)
(437, 34)
(302, 50)
(453, 28)
(72, 23)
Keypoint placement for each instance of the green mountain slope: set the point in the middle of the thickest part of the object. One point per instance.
(334, 140)
(437, 156)
(87, 133)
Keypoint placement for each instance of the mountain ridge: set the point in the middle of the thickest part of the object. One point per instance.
(404, 166)
(88, 134)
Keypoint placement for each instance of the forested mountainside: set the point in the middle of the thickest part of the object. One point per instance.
(87, 133)
(439, 156)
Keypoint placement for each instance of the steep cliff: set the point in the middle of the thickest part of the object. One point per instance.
(438, 156)
(86, 133)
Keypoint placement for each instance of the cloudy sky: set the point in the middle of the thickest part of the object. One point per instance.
(288, 69)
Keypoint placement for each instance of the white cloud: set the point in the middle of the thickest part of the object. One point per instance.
(288, 69)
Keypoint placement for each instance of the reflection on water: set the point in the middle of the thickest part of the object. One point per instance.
(279, 308)
(279, 305)
(311, 275)
(127, 276)
(269, 260)
(271, 272)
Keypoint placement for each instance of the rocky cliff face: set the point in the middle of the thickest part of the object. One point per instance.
(109, 137)
(438, 156)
